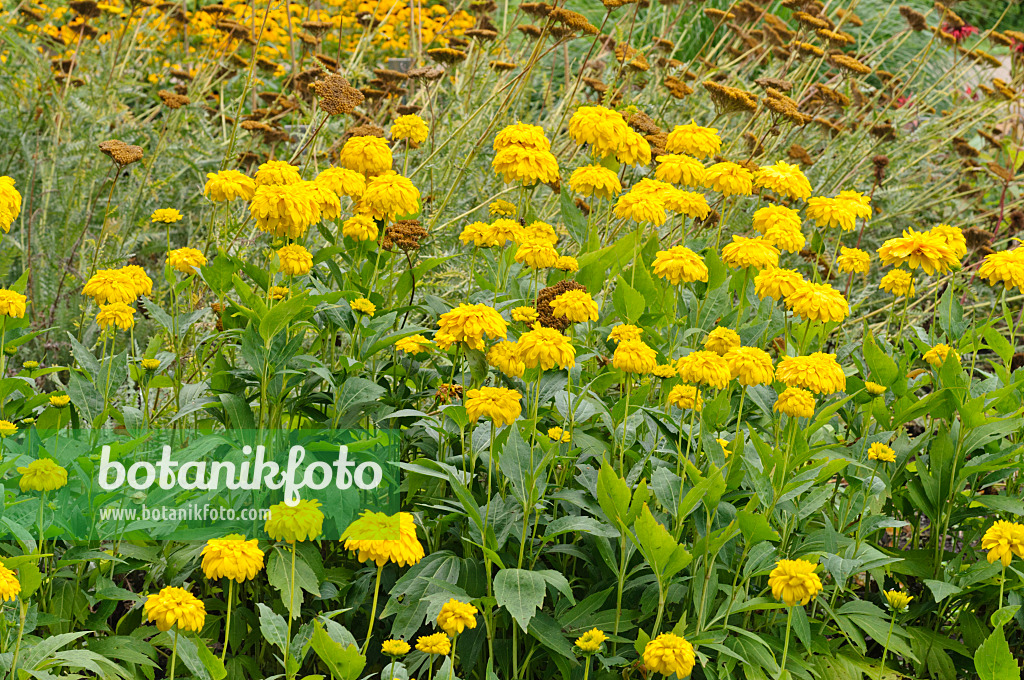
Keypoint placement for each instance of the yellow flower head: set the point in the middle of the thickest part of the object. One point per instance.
(641, 206)
(277, 173)
(1005, 267)
(469, 324)
(278, 292)
(794, 581)
(500, 404)
(856, 202)
(750, 365)
(498, 233)
(105, 286)
(411, 128)
(693, 140)
(591, 641)
(953, 237)
(575, 305)
(785, 237)
(395, 648)
(42, 475)
(413, 344)
(536, 254)
(456, 617)
(776, 216)
(59, 400)
(326, 200)
(438, 643)
(139, 279)
(595, 180)
(539, 231)
(634, 356)
(633, 149)
(527, 315)
(10, 586)
(13, 303)
(175, 606)
(819, 372)
(720, 340)
(669, 654)
(363, 306)
(936, 356)
(665, 371)
(795, 403)
(300, 522)
(750, 252)
(382, 538)
(897, 600)
(831, 212)
(1003, 540)
(7, 428)
(689, 203)
(777, 283)
(873, 388)
(522, 135)
(704, 368)
(567, 263)
(166, 215)
(679, 264)
(624, 332)
(342, 181)
(853, 260)
(526, 166)
(546, 348)
(686, 397)
(228, 185)
(150, 364)
(389, 195)
(730, 179)
(116, 314)
(369, 156)
(817, 302)
(232, 557)
(681, 169)
(10, 203)
(502, 208)
(186, 260)
(285, 210)
(879, 451)
(784, 179)
(360, 228)
(898, 282)
(926, 250)
(603, 129)
(557, 434)
(295, 260)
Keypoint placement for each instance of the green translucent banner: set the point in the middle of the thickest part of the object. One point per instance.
(89, 485)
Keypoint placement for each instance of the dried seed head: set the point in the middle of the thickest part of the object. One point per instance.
(849, 64)
(807, 49)
(835, 39)
(406, 234)
(122, 154)
(718, 15)
(963, 148)
(677, 88)
(543, 304)
(484, 34)
(643, 123)
(390, 75)
(446, 55)
(1005, 174)
(407, 109)
(173, 100)
(317, 28)
(529, 30)
(336, 95)
(811, 22)
(728, 99)
(777, 84)
(880, 163)
(883, 131)
(502, 66)
(849, 17)
(426, 73)
(915, 20)
(800, 154)
(85, 8)
(535, 9)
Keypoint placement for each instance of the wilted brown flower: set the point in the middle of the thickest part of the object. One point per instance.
(530, 30)
(502, 65)
(482, 34)
(800, 154)
(807, 49)
(426, 73)
(173, 100)
(1005, 174)
(883, 131)
(122, 154)
(880, 163)
(774, 83)
(728, 99)
(849, 64)
(446, 55)
(718, 15)
(535, 9)
(849, 17)
(963, 148)
(85, 8)
(677, 88)
(336, 95)
(834, 38)
(811, 22)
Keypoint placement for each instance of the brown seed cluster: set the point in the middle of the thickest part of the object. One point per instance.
(880, 163)
(677, 88)
(915, 20)
(800, 154)
(849, 64)
(446, 55)
(544, 298)
(336, 95)
(728, 99)
(502, 66)
(406, 234)
(119, 152)
(173, 100)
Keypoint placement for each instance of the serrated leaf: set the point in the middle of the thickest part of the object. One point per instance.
(521, 592)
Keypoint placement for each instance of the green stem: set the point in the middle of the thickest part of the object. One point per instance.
(227, 622)
(373, 608)
(885, 649)
(174, 654)
(785, 647)
(291, 611)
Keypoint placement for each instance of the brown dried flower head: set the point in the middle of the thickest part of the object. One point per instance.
(173, 100)
(728, 99)
(800, 154)
(915, 20)
(677, 88)
(446, 55)
(122, 154)
(336, 95)
(849, 64)
(502, 66)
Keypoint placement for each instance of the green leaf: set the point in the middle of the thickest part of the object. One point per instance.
(883, 369)
(951, 314)
(574, 220)
(273, 626)
(612, 494)
(281, 315)
(993, 660)
(211, 662)
(30, 578)
(521, 592)
(755, 527)
(665, 555)
(629, 303)
(344, 663)
(1002, 616)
